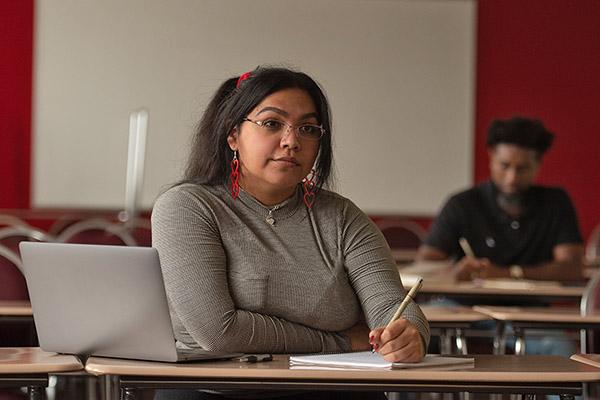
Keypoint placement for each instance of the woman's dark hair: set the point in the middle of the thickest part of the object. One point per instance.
(211, 156)
(524, 132)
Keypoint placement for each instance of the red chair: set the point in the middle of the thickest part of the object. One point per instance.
(12, 282)
(141, 230)
(403, 236)
(13, 285)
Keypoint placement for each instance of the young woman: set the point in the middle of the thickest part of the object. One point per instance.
(256, 255)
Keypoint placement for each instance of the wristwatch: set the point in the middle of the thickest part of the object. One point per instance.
(516, 272)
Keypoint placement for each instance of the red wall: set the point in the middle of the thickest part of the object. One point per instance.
(541, 58)
(16, 50)
(536, 57)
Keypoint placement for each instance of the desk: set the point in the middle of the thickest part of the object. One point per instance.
(30, 366)
(17, 309)
(472, 290)
(404, 256)
(20, 313)
(491, 374)
(523, 318)
(452, 319)
(438, 279)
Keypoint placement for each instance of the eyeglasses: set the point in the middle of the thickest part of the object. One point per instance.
(304, 131)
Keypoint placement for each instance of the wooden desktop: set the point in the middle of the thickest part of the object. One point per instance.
(29, 367)
(491, 374)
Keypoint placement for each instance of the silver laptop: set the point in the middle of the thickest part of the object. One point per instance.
(102, 300)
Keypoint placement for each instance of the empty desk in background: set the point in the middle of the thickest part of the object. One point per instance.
(452, 321)
(404, 256)
(501, 289)
(11, 310)
(491, 374)
(523, 318)
(18, 312)
(29, 367)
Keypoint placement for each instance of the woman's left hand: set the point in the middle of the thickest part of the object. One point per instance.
(399, 342)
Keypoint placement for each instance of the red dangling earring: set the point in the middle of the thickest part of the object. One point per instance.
(234, 177)
(309, 185)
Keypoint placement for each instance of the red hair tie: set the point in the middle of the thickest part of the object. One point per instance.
(242, 78)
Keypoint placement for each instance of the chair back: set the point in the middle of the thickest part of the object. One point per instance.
(11, 236)
(12, 281)
(401, 233)
(141, 231)
(10, 220)
(97, 231)
(403, 236)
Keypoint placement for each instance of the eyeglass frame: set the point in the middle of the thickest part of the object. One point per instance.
(289, 127)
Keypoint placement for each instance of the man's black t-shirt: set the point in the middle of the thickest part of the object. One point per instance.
(549, 219)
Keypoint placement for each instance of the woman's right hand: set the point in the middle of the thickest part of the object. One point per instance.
(400, 341)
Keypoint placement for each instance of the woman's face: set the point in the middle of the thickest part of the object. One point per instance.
(273, 157)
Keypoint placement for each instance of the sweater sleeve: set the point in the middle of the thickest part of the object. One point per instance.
(194, 266)
(374, 275)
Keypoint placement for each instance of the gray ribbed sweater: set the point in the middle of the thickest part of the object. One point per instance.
(237, 283)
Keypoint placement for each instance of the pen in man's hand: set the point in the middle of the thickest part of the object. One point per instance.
(466, 247)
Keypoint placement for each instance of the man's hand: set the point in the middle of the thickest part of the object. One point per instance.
(469, 268)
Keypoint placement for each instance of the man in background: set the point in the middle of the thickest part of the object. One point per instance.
(507, 227)
(511, 227)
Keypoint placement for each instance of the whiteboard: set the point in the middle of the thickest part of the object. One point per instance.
(399, 76)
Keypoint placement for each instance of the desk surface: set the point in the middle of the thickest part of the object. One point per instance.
(472, 290)
(488, 368)
(438, 278)
(538, 314)
(32, 360)
(451, 314)
(404, 256)
(15, 308)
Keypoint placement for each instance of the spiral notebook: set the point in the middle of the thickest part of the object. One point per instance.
(369, 360)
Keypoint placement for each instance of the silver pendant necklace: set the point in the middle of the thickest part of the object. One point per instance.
(270, 219)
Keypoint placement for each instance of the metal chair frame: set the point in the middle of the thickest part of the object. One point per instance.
(25, 231)
(115, 229)
(12, 257)
(590, 297)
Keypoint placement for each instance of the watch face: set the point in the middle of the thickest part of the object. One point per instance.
(515, 271)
